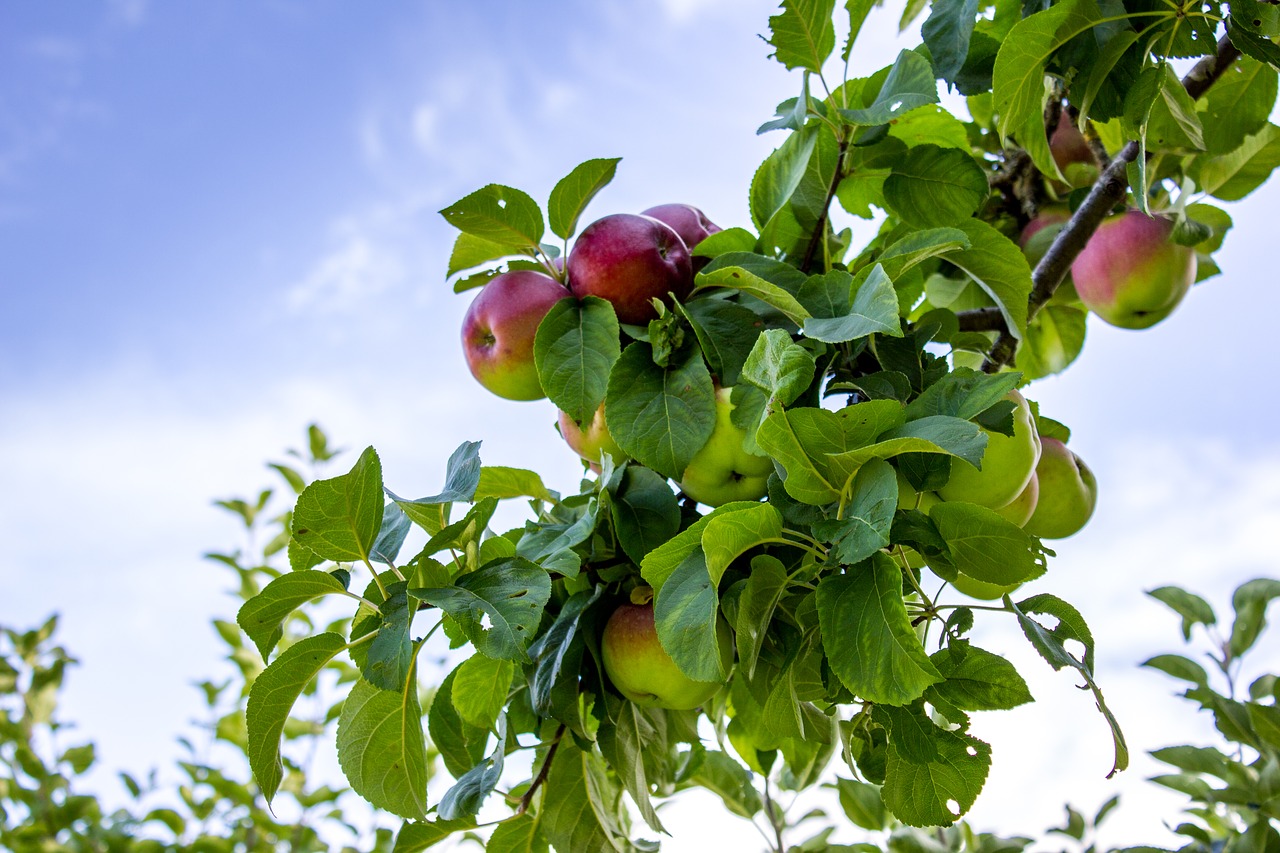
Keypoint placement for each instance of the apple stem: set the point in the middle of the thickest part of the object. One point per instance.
(1108, 191)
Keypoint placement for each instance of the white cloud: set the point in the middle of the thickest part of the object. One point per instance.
(356, 269)
(132, 13)
(683, 11)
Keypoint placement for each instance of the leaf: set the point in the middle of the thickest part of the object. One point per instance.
(868, 637)
(986, 546)
(1234, 175)
(1193, 609)
(803, 35)
(262, 616)
(778, 177)
(339, 519)
(686, 613)
(391, 535)
(863, 528)
(977, 680)
(730, 781)
(1250, 601)
(932, 186)
(575, 190)
(724, 332)
(461, 744)
(462, 477)
(480, 688)
(946, 33)
(1173, 122)
(918, 790)
(390, 659)
(1238, 105)
(557, 657)
(645, 512)
(1179, 667)
(862, 803)
(934, 434)
(575, 347)
(779, 366)
(499, 214)
(963, 393)
(920, 246)
(519, 834)
(874, 309)
(998, 266)
(498, 606)
(577, 808)
(661, 417)
(470, 251)
(659, 563)
(766, 584)
(414, 837)
(910, 84)
(1054, 339)
(468, 794)
(382, 750)
(497, 481)
(550, 544)
(1252, 43)
(622, 738)
(728, 535)
(271, 699)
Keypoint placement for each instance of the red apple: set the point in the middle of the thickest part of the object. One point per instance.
(630, 260)
(1073, 154)
(642, 670)
(498, 332)
(590, 440)
(1130, 273)
(690, 223)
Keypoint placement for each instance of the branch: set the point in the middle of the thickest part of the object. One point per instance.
(542, 773)
(820, 230)
(1107, 192)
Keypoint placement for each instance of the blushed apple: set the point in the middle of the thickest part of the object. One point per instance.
(630, 260)
(1073, 154)
(723, 470)
(1131, 274)
(642, 670)
(1068, 493)
(591, 440)
(499, 328)
(1007, 464)
(689, 222)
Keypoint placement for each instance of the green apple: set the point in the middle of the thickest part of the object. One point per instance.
(1131, 273)
(1020, 510)
(591, 440)
(499, 328)
(1007, 464)
(1068, 493)
(723, 470)
(642, 670)
(909, 498)
(982, 590)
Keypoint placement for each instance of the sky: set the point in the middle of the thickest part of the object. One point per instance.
(218, 224)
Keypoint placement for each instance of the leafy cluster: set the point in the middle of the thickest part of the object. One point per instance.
(854, 370)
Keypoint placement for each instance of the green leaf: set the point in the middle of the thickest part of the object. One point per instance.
(934, 434)
(1054, 339)
(1193, 609)
(919, 790)
(730, 534)
(499, 214)
(1173, 123)
(468, 794)
(462, 477)
(977, 680)
(863, 527)
(1250, 601)
(1018, 77)
(931, 186)
(730, 781)
(998, 266)
(803, 35)
(480, 688)
(724, 332)
(1238, 104)
(862, 803)
(778, 177)
(868, 637)
(1234, 175)
(550, 544)
(414, 837)
(271, 699)
(470, 251)
(1179, 667)
(963, 393)
(1252, 43)
(382, 750)
(557, 657)
(779, 366)
(659, 563)
(461, 744)
(660, 416)
(498, 606)
(390, 659)
(578, 810)
(575, 347)
(575, 190)
(645, 512)
(497, 481)
(765, 586)
(920, 246)
(874, 308)
(391, 535)
(686, 613)
(519, 834)
(910, 84)
(985, 546)
(262, 616)
(339, 519)
(947, 32)
(623, 737)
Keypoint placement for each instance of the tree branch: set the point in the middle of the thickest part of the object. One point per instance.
(820, 230)
(1108, 191)
(542, 773)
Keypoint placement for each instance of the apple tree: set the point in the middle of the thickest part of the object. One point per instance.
(809, 465)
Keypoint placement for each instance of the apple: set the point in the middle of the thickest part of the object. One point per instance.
(630, 260)
(1068, 493)
(1021, 508)
(499, 327)
(1073, 154)
(591, 440)
(689, 222)
(1130, 273)
(909, 498)
(723, 470)
(1007, 464)
(642, 670)
(982, 590)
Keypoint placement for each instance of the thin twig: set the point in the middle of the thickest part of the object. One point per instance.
(542, 773)
(820, 230)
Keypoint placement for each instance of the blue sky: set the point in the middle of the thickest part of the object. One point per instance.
(218, 224)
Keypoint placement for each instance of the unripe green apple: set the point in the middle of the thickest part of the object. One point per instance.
(1131, 274)
(1021, 508)
(1068, 493)
(723, 470)
(591, 440)
(981, 590)
(630, 260)
(499, 328)
(1007, 465)
(642, 670)
(907, 496)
